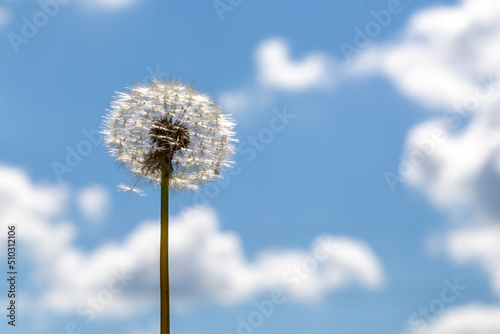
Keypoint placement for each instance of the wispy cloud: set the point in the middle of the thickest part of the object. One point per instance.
(93, 202)
(477, 245)
(476, 318)
(5, 16)
(110, 4)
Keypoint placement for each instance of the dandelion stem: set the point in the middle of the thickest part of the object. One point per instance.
(164, 282)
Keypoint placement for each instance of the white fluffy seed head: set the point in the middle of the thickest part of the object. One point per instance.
(138, 126)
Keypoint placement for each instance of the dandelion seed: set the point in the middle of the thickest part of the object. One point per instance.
(125, 188)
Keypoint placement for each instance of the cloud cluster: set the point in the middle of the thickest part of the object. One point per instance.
(208, 265)
(445, 60)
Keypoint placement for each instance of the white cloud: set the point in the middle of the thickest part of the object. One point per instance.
(207, 265)
(239, 100)
(459, 169)
(276, 69)
(93, 202)
(236, 100)
(470, 319)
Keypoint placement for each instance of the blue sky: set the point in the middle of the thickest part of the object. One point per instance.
(389, 154)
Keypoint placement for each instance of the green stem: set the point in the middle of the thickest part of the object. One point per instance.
(164, 282)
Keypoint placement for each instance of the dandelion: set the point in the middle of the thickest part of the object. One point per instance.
(167, 134)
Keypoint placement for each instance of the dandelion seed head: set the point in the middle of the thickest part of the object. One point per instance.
(168, 127)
